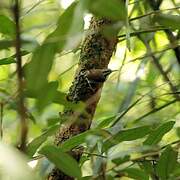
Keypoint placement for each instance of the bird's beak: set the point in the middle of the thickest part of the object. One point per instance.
(114, 70)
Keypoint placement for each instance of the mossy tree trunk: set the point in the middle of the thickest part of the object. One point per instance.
(96, 52)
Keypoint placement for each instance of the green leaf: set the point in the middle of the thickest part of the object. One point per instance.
(75, 32)
(59, 97)
(53, 120)
(31, 117)
(114, 9)
(29, 44)
(129, 96)
(46, 97)
(64, 26)
(106, 121)
(80, 138)
(146, 166)
(121, 160)
(152, 75)
(176, 171)
(127, 135)
(111, 30)
(97, 165)
(6, 61)
(7, 26)
(158, 133)
(110, 177)
(135, 173)
(167, 20)
(178, 131)
(38, 69)
(74, 141)
(62, 160)
(38, 141)
(85, 178)
(5, 44)
(166, 163)
(5, 92)
(11, 59)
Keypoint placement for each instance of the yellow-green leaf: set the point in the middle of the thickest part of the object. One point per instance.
(158, 133)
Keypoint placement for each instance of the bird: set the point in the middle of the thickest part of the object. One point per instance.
(98, 75)
(87, 82)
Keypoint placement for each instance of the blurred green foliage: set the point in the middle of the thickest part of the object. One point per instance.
(136, 129)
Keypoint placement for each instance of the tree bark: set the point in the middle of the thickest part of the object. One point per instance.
(96, 52)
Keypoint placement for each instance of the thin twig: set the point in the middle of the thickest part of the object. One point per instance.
(94, 154)
(21, 106)
(138, 1)
(153, 53)
(143, 31)
(154, 110)
(120, 115)
(150, 154)
(121, 67)
(84, 152)
(175, 5)
(37, 157)
(61, 74)
(33, 7)
(153, 12)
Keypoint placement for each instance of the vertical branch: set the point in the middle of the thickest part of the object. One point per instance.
(21, 106)
(1, 120)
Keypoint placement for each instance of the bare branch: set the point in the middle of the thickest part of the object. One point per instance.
(21, 106)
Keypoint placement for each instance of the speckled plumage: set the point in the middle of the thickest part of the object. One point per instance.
(80, 88)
